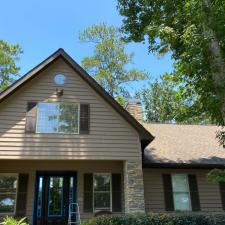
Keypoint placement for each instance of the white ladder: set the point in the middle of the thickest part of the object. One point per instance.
(74, 214)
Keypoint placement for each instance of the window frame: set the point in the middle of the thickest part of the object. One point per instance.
(58, 103)
(93, 193)
(183, 192)
(16, 194)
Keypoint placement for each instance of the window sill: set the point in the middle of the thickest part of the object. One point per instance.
(7, 214)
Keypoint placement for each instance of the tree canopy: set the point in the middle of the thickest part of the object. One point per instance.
(166, 102)
(109, 63)
(194, 32)
(9, 55)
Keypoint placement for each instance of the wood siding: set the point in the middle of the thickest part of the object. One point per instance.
(30, 167)
(110, 138)
(209, 193)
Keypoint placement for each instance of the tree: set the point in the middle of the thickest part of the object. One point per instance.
(9, 54)
(166, 102)
(194, 32)
(109, 63)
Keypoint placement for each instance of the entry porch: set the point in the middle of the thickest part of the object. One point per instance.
(42, 190)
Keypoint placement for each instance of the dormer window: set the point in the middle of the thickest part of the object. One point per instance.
(58, 118)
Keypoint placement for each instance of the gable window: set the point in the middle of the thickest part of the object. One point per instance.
(58, 118)
(102, 192)
(8, 190)
(181, 193)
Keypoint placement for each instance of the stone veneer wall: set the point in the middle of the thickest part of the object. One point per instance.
(133, 187)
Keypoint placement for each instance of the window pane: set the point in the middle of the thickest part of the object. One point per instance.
(182, 201)
(57, 118)
(47, 117)
(68, 118)
(8, 188)
(102, 191)
(55, 196)
(180, 183)
(102, 183)
(7, 203)
(102, 201)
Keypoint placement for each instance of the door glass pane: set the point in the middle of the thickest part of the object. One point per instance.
(71, 193)
(55, 196)
(182, 201)
(39, 199)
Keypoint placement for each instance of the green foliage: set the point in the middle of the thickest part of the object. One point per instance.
(216, 175)
(194, 32)
(164, 101)
(159, 219)
(108, 64)
(11, 221)
(9, 54)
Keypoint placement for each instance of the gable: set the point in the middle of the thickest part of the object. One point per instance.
(111, 137)
(145, 136)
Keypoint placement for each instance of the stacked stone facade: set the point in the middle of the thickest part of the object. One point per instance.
(133, 187)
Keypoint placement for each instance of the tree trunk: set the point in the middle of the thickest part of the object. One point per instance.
(217, 62)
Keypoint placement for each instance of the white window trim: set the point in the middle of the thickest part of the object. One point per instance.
(14, 211)
(70, 103)
(93, 192)
(189, 194)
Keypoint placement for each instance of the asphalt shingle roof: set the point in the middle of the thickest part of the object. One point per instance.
(183, 144)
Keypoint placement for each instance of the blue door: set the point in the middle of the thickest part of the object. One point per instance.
(54, 192)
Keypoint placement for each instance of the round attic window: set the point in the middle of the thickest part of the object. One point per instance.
(59, 79)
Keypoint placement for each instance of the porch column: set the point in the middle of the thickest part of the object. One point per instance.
(133, 187)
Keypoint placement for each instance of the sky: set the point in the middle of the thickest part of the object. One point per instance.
(43, 26)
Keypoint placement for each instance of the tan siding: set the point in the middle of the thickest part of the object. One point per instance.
(21, 166)
(109, 132)
(209, 194)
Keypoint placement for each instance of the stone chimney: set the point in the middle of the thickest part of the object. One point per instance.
(133, 106)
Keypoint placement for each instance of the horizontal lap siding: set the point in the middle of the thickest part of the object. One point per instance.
(209, 193)
(111, 137)
(30, 167)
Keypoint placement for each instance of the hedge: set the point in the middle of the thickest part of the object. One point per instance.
(159, 219)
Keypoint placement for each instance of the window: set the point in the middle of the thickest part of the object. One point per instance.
(59, 79)
(181, 194)
(58, 118)
(102, 192)
(8, 190)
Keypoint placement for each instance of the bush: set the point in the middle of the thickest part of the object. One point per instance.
(12, 221)
(160, 219)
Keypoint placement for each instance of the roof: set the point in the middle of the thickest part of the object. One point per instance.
(183, 146)
(145, 136)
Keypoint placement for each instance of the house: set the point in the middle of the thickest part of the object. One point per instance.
(65, 140)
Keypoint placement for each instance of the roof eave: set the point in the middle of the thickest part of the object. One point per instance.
(182, 165)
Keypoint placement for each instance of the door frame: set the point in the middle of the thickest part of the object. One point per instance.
(51, 173)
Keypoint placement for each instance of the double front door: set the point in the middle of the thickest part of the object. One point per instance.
(54, 193)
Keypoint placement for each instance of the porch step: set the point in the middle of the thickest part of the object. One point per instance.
(74, 214)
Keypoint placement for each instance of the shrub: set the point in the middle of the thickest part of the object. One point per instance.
(160, 219)
(11, 221)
